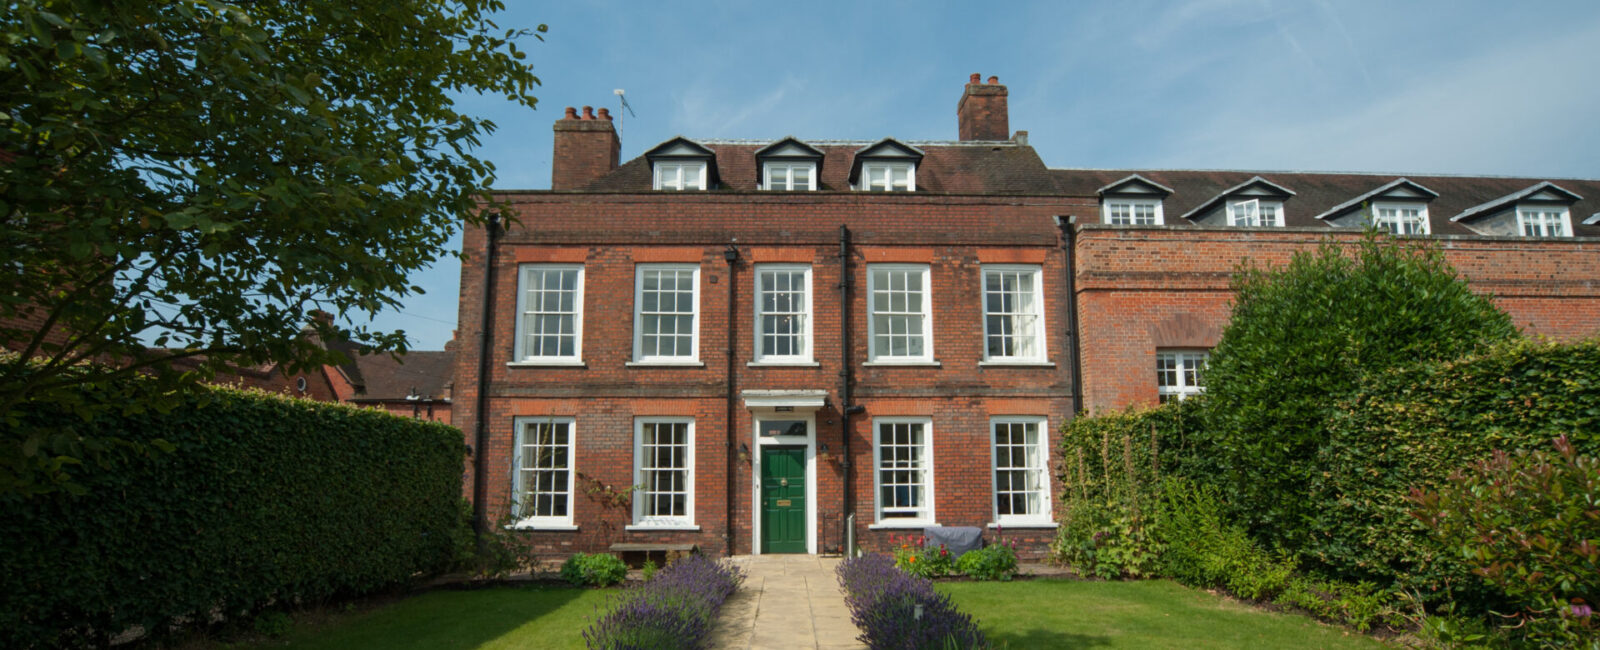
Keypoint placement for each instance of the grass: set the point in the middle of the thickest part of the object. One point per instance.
(500, 617)
(1144, 614)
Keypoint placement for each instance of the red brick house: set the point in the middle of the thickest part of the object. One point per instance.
(746, 346)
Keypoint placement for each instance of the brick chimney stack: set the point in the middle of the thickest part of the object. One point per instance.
(982, 113)
(586, 148)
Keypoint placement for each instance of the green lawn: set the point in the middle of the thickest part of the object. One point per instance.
(1145, 614)
(502, 617)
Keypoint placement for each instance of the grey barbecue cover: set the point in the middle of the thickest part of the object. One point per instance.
(958, 539)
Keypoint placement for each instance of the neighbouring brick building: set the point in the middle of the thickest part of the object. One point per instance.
(735, 345)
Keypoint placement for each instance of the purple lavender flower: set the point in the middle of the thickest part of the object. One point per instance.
(675, 609)
(885, 602)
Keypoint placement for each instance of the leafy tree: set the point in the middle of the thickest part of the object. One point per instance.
(1303, 336)
(201, 175)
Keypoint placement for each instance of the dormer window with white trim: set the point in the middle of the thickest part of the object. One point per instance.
(789, 176)
(1132, 212)
(680, 176)
(1255, 213)
(1401, 218)
(888, 177)
(1544, 221)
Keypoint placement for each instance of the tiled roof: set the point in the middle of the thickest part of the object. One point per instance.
(947, 167)
(1316, 193)
(387, 378)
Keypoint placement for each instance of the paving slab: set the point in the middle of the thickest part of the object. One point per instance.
(787, 601)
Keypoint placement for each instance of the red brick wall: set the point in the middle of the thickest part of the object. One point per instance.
(1144, 288)
(610, 233)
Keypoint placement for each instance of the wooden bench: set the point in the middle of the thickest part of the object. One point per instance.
(668, 552)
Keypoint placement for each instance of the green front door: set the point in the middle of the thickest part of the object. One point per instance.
(783, 499)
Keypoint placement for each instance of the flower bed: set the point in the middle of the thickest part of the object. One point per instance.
(674, 609)
(896, 610)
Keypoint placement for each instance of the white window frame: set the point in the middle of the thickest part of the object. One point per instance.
(1394, 225)
(889, 168)
(1185, 385)
(925, 511)
(784, 172)
(1542, 218)
(641, 491)
(639, 357)
(519, 485)
(1247, 213)
(878, 356)
(1108, 206)
(525, 317)
(673, 174)
(1042, 471)
(1040, 354)
(804, 356)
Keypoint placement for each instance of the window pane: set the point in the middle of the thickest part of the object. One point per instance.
(543, 467)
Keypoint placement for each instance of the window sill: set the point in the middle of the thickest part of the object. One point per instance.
(641, 528)
(542, 527)
(783, 364)
(909, 364)
(1037, 525)
(553, 363)
(664, 364)
(1015, 364)
(902, 525)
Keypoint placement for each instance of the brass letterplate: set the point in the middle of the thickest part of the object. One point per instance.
(783, 503)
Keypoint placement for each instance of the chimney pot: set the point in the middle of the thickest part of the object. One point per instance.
(605, 114)
(572, 113)
(975, 78)
(588, 112)
(993, 79)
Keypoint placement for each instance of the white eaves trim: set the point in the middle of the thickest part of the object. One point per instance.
(1135, 178)
(1211, 202)
(1512, 198)
(1342, 207)
(800, 399)
(1592, 220)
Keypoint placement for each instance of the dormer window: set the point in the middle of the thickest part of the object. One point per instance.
(1255, 213)
(1544, 221)
(1255, 203)
(789, 165)
(681, 164)
(888, 177)
(680, 176)
(1133, 201)
(887, 166)
(1401, 218)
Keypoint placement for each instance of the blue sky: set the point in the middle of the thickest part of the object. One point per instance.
(1465, 87)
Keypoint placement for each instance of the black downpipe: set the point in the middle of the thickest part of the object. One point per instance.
(1069, 244)
(847, 407)
(480, 456)
(731, 256)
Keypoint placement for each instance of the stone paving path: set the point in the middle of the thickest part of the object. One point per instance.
(787, 601)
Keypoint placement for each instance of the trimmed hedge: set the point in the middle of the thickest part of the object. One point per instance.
(263, 501)
(1412, 427)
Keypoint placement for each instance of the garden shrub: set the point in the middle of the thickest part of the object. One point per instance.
(261, 501)
(1302, 337)
(593, 570)
(1413, 427)
(894, 609)
(1528, 525)
(1111, 468)
(912, 555)
(674, 610)
(1358, 605)
(1201, 549)
(993, 562)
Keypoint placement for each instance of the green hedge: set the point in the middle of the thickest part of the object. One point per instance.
(1412, 427)
(262, 501)
(1110, 476)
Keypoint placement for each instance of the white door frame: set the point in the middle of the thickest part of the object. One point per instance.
(809, 441)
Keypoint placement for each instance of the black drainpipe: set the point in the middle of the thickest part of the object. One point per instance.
(731, 256)
(846, 406)
(480, 456)
(1069, 245)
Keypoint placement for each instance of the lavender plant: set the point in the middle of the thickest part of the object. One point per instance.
(673, 610)
(898, 611)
